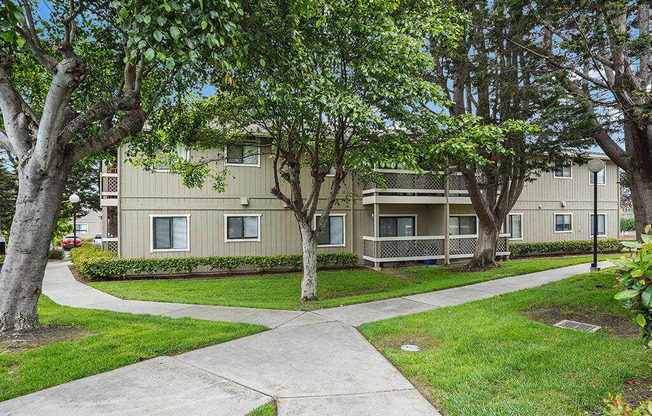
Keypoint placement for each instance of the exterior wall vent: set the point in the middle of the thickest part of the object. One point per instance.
(577, 326)
(244, 201)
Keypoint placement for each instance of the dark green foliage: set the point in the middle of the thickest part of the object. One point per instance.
(93, 263)
(609, 245)
(627, 224)
(56, 254)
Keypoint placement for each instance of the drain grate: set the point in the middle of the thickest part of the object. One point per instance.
(577, 326)
(410, 348)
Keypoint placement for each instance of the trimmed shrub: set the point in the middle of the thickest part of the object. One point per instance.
(56, 254)
(84, 250)
(609, 245)
(627, 224)
(2, 259)
(88, 240)
(94, 264)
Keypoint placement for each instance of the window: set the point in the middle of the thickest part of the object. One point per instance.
(333, 234)
(170, 232)
(81, 228)
(602, 224)
(242, 155)
(463, 225)
(242, 227)
(397, 226)
(563, 170)
(601, 177)
(164, 159)
(563, 223)
(515, 226)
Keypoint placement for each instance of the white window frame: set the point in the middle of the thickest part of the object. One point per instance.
(226, 157)
(186, 157)
(151, 233)
(605, 177)
(241, 240)
(507, 231)
(605, 224)
(82, 232)
(343, 215)
(554, 223)
(554, 172)
(477, 225)
(416, 221)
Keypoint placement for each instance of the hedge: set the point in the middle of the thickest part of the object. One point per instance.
(2, 259)
(627, 224)
(93, 264)
(609, 245)
(55, 254)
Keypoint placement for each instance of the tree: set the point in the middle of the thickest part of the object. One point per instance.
(320, 98)
(75, 84)
(8, 192)
(492, 87)
(598, 54)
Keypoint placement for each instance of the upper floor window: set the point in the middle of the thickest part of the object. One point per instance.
(242, 227)
(333, 233)
(397, 226)
(170, 233)
(563, 223)
(244, 155)
(163, 164)
(81, 228)
(463, 225)
(601, 177)
(515, 226)
(563, 170)
(602, 224)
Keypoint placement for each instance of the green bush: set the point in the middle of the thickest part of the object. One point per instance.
(94, 264)
(56, 254)
(627, 224)
(609, 245)
(88, 240)
(2, 259)
(616, 406)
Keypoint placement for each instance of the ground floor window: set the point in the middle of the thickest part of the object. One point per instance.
(602, 224)
(333, 233)
(81, 228)
(563, 223)
(463, 225)
(244, 227)
(397, 226)
(170, 233)
(515, 226)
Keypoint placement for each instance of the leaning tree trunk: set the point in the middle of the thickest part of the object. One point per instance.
(21, 278)
(485, 248)
(309, 249)
(641, 187)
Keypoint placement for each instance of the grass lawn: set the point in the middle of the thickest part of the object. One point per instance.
(105, 341)
(335, 288)
(489, 358)
(268, 409)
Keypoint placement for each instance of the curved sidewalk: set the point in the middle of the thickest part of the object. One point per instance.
(312, 363)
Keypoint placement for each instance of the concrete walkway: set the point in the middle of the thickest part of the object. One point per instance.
(311, 363)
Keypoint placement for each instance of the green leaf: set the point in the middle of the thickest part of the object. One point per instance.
(175, 32)
(626, 294)
(161, 20)
(150, 54)
(169, 63)
(646, 297)
(632, 244)
(158, 35)
(640, 319)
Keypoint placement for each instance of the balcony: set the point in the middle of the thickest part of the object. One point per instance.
(418, 248)
(109, 186)
(406, 187)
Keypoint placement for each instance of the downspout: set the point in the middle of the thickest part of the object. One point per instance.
(447, 213)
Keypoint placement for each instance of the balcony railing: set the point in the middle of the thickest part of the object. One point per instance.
(404, 181)
(391, 249)
(109, 186)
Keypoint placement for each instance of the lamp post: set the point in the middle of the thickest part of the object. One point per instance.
(595, 166)
(74, 199)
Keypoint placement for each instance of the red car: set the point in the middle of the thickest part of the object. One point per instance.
(68, 243)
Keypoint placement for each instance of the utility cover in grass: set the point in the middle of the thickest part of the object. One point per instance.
(577, 326)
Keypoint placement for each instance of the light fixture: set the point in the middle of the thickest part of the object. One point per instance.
(596, 165)
(74, 198)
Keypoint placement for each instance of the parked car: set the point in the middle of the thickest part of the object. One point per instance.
(69, 243)
(97, 240)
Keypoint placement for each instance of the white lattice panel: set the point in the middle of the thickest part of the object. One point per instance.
(463, 245)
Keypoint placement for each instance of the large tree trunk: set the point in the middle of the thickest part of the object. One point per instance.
(309, 249)
(485, 248)
(21, 278)
(641, 187)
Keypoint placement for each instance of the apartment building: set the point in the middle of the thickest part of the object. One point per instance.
(413, 217)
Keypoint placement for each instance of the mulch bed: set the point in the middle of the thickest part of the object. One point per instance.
(15, 342)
